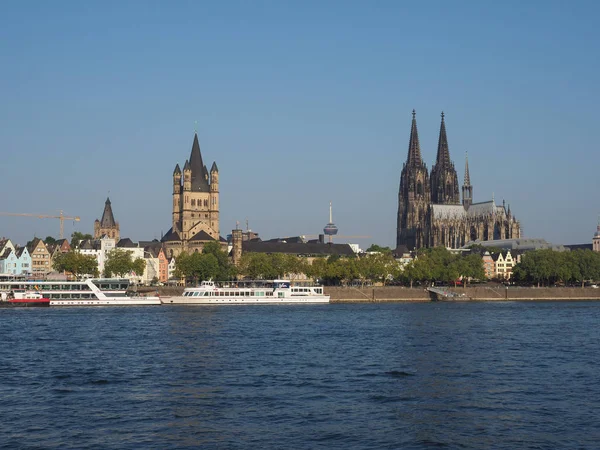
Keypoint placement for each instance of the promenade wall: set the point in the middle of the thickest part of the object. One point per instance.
(398, 293)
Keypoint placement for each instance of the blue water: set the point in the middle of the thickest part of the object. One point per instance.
(352, 376)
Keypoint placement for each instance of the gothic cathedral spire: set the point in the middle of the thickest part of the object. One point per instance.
(467, 189)
(413, 196)
(444, 181)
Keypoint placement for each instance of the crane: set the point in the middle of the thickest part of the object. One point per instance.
(61, 217)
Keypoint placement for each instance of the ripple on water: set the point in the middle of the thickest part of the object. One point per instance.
(417, 376)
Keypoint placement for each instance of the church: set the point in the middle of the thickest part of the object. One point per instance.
(195, 219)
(430, 211)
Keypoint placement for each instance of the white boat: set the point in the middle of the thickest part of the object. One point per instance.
(248, 292)
(90, 292)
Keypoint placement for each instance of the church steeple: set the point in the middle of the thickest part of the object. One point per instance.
(444, 181)
(414, 149)
(108, 219)
(443, 154)
(414, 195)
(199, 175)
(467, 189)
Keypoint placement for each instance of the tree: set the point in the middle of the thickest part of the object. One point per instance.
(77, 237)
(49, 240)
(226, 270)
(76, 263)
(120, 262)
(378, 249)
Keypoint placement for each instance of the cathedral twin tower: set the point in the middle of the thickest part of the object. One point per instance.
(430, 211)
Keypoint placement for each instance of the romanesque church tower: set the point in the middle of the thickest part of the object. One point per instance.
(195, 205)
(444, 181)
(414, 195)
(107, 226)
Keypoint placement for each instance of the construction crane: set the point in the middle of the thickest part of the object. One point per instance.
(60, 217)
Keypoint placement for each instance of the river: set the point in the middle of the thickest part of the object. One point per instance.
(353, 376)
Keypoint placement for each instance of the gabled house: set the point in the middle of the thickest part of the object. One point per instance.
(163, 266)
(171, 268)
(24, 260)
(4, 244)
(504, 264)
(40, 257)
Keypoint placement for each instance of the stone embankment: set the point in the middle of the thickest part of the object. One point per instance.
(405, 294)
(482, 293)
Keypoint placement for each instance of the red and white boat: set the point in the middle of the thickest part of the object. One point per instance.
(22, 297)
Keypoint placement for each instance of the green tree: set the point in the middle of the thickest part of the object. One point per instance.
(226, 270)
(77, 237)
(379, 249)
(49, 240)
(76, 263)
(120, 262)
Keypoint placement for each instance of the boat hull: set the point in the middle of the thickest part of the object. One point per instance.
(25, 303)
(142, 301)
(241, 300)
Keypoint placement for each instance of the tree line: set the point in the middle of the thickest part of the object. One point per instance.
(548, 267)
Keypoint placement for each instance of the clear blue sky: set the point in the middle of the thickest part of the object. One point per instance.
(299, 103)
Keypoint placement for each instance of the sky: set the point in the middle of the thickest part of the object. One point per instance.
(299, 104)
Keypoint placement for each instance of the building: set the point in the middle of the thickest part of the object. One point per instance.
(504, 263)
(596, 239)
(15, 261)
(107, 226)
(288, 246)
(98, 248)
(195, 218)
(489, 265)
(430, 212)
(40, 257)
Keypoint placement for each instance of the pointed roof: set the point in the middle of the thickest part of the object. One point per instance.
(467, 176)
(214, 167)
(186, 166)
(199, 172)
(177, 170)
(414, 149)
(443, 153)
(108, 220)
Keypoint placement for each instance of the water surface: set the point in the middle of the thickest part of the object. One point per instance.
(402, 375)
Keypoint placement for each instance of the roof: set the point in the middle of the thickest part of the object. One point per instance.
(108, 220)
(517, 244)
(214, 167)
(202, 236)
(171, 236)
(20, 251)
(154, 243)
(400, 250)
(579, 246)
(297, 248)
(89, 244)
(126, 243)
(199, 172)
(34, 243)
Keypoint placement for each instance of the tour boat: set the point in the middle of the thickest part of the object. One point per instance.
(248, 292)
(21, 297)
(89, 292)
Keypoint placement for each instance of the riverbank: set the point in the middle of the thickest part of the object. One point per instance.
(406, 294)
(479, 293)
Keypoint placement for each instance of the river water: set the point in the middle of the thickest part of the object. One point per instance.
(353, 376)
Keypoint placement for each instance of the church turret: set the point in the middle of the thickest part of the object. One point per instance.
(187, 176)
(176, 197)
(214, 196)
(467, 189)
(444, 181)
(413, 196)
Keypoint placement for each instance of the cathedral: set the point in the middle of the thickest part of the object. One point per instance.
(430, 211)
(195, 206)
